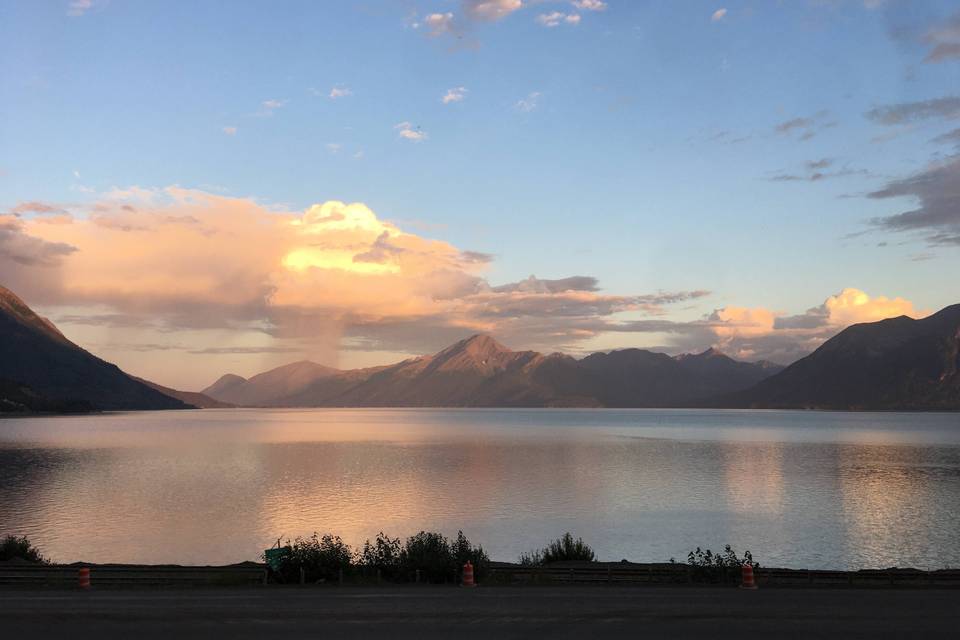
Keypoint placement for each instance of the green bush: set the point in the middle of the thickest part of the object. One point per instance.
(321, 558)
(462, 551)
(564, 548)
(437, 559)
(706, 566)
(20, 548)
(429, 553)
(384, 555)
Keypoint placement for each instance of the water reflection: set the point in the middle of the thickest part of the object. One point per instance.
(898, 494)
(215, 487)
(753, 476)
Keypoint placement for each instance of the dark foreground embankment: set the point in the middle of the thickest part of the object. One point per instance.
(14, 575)
(400, 612)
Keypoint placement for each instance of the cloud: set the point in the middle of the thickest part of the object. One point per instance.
(340, 92)
(794, 123)
(179, 260)
(471, 13)
(491, 10)
(759, 333)
(816, 171)
(936, 189)
(408, 132)
(718, 15)
(947, 107)
(230, 131)
(76, 8)
(439, 24)
(529, 103)
(242, 350)
(806, 126)
(475, 257)
(334, 147)
(950, 137)
(535, 285)
(944, 40)
(457, 94)
(18, 247)
(271, 105)
(37, 207)
(557, 18)
(590, 5)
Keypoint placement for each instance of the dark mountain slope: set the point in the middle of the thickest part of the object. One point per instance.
(36, 355)
(899, 363)
(19, 398)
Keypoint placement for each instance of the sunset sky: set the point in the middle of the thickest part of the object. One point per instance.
(194, 188)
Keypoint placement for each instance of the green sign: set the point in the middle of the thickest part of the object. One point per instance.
(275, 556)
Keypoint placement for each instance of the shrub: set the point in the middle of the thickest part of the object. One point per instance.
(20, 548)
(430, 553)
(564, 548)
(707, 566)
(384, 555)
(462, 551)
(437, 559)
(321, 558)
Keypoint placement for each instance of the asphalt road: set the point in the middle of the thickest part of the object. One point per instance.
(498, 612)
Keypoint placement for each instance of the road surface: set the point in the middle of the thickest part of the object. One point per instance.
(495, 612)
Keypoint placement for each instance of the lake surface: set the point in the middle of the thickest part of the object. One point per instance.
(799, 489)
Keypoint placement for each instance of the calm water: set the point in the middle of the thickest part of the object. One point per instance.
(800, 489)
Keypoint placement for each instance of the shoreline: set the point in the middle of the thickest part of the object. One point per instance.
(501, 574)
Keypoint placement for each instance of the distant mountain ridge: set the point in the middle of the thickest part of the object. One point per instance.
(193, 398)
(481, 372)
(894, 364)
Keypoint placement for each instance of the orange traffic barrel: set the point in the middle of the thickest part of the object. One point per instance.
(84, 577)
(468, 575)
(747, 581)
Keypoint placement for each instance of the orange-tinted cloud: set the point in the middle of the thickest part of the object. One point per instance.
(185, 259)
(752, 333)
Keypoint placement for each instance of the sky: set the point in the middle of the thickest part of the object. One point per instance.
(189, 189)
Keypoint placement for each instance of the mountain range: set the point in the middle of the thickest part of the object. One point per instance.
(898, 363)
(481, 372)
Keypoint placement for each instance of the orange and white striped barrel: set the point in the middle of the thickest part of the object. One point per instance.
(84, 575)
(747, 581)
(468, 575)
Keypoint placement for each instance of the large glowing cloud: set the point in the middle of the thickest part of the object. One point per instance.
(185, 259)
